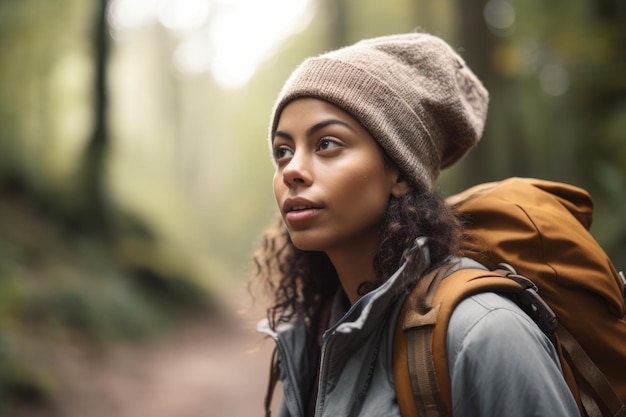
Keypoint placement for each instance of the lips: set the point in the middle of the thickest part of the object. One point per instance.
(299, 204)
(300, 209)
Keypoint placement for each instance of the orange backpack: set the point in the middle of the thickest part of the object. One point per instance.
(541, 229)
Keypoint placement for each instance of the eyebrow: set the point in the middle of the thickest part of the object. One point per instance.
(316, 127)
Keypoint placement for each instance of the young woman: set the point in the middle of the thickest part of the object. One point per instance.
(358, 137)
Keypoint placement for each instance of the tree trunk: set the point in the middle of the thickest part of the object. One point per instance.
(94, 216)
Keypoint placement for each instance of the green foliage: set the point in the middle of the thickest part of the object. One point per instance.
(24, 377)
(45, 88)
(57, 284)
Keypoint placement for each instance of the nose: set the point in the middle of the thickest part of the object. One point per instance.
(298, 170)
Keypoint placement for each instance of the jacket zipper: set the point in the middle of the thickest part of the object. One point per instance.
(321, 390)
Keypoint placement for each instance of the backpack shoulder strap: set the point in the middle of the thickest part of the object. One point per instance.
(421, 375)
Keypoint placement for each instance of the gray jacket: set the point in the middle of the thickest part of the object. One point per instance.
(501, 364)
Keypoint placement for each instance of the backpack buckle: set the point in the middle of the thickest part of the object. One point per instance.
(539, 310)
(531, 302)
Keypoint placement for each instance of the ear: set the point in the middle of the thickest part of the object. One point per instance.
(400, 187)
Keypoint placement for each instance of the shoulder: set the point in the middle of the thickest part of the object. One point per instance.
(501, 363)
(486, 306)
(482, 319)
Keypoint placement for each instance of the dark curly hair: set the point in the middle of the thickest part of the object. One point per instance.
(292, 276)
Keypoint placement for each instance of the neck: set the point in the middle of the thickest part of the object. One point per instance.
(354, 267)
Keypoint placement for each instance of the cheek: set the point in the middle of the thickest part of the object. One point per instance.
(370, 190)
(277, 185)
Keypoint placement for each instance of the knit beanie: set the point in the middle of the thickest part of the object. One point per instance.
(412, 92)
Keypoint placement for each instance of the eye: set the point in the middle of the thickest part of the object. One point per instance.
(327, 144)
(282, 152)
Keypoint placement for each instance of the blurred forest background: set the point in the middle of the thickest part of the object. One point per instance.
(134, 169)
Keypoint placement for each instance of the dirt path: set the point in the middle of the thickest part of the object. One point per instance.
(204, 369)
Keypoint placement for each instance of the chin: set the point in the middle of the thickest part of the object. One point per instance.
(306, 243)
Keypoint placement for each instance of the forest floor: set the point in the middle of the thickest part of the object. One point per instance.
(207, 368)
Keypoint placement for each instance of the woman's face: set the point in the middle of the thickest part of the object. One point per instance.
(332, 184)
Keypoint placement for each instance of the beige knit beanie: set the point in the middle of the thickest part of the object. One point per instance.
(412, 92)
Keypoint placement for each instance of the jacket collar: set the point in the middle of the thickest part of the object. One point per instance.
(374, 304)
